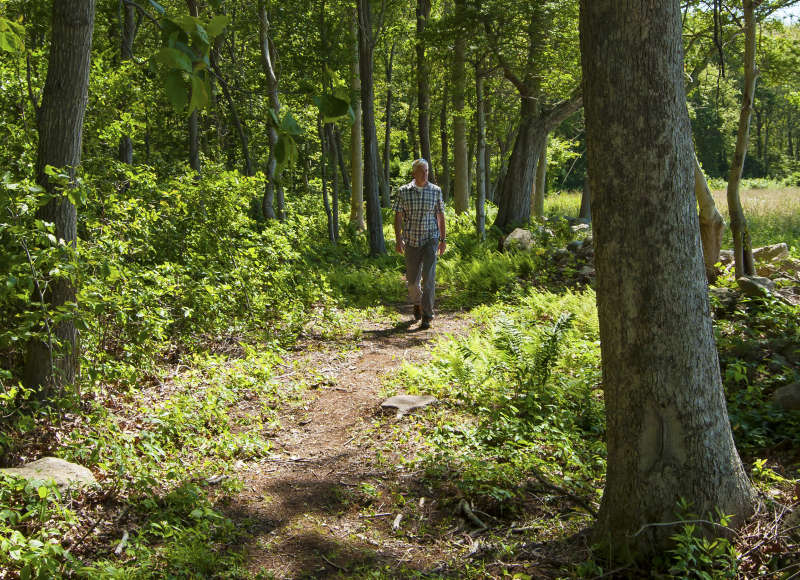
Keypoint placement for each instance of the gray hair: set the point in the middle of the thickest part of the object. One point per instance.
(417, 163)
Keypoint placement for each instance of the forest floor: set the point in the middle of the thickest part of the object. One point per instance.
(340, 496)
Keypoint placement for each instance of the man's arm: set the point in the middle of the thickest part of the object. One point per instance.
(399, 245)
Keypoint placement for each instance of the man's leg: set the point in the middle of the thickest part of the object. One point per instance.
(414, 275)
(428, 278)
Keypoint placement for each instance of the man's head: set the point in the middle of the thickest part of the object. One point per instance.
(419, 169)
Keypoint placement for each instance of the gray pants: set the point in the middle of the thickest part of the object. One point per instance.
(421, 275)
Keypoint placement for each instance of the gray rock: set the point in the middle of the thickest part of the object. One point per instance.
(788, 397)
(62, 472)
(575, 246)
(755, 286)
(771, 253)
(579, 227)
(560, 255)
(727, 296)
(586, 272)
(726, 257)
(519, 239)
(407, 403)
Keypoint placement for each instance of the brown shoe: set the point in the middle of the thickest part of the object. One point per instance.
(426, 323)
(417, 312)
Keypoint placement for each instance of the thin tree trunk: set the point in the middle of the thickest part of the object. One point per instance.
(742, 246)
(333, 151)
(423, 87)
(366, 46)
(126, 50)
(237, 123)
(461, 188)
(444, 176)
(669, 436)
(387, 153)
(356, 152)
(711, 222)
(60, 124)
(480, 198)
(194, 117)
(337, 137)
(325, 160)
(537, 203)
(272, 185)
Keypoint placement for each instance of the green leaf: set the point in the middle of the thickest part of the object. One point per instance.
(281, 151)
(186, 22)
(42, 491)
(174, 59)
(176, 89)
(217, 24)
(331, 108)
(199, 94)
(273, 116)
(289, 125)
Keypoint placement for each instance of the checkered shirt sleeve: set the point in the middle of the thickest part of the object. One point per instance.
(419, 209)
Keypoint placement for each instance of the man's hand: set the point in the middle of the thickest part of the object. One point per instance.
(442, 247)
(400, 246)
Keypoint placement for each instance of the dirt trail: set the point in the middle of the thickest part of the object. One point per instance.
(322, 504)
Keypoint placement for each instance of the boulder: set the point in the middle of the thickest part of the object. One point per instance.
(586, 272)
(726, 257)
(575, 245)
(407, 403)
(726, 296)
(580, 227)
(788, 397)
(771, 253)
(519, 239)
(62, 472)
(755, 286)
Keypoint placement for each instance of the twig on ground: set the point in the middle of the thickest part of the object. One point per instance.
(331, 563)
(463, 507)
(369, 516)
(663, 524)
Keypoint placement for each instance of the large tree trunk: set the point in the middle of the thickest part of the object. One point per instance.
(669, 438)
(366, 46)
(461, 185)
(272, 185)
(356, 154)
(537, 202)
(742, 247)
(126, 51)
(711, 222)
(423, 87)
(64, 99)
(585, 213)
(387, 144)
(480, 198)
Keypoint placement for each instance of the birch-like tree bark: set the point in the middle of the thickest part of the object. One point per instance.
(668, 434)
(272, 186)
(356, 152)
(460, 145)
(711, 222)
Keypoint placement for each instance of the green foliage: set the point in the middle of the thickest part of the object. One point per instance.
(699, 553)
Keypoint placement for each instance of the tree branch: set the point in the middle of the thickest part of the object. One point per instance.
(562, 110)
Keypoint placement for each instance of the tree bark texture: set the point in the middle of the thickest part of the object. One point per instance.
(366, 47)
(128, 27)
(444, 176)
(537, 202)
(194, 117)
(711, 223)
(60, 125)
(460, 152)
(480, 198)
(272, 185)
(742, 246)
(668, 431)
(586, 201)
(356, 151)
(423, 87)
(387, 134)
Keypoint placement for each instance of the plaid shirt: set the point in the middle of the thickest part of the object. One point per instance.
(419, 207)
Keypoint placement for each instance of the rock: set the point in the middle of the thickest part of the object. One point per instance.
(62, 472)
(575, 245)
(579, 227)
(726, 257)
(407, 403)
(790, 265)
(519, 239)
(788, 397)
(771, 253)
(726, 296)
(560, 255)
(588, 242)
(755, 286)
(586, 272)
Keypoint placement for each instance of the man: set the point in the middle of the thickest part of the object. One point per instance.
(420, 234)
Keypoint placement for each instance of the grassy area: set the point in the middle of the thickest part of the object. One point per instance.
(773, 214)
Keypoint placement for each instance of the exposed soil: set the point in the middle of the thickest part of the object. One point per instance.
(328, 500)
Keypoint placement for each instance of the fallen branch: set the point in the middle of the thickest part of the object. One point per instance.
(463, 507)
(369, 516)
(679, 522)
(332, 564)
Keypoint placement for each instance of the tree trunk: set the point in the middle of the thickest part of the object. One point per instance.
(126, 51)
(356, 154)
(337, 137)
(194, 117)
(742, 246)
(537, 202)
(711, 222)
(444, 176)
(585, 212)
(272, 185)
(480, 198)
(423, 87)
(669, 438)
(325, 160)
(60, 125)
(366, 46)
(461, 186)
(237, 123)
(387, 144)
(333, 151)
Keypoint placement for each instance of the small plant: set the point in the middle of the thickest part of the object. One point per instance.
(697, 554)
